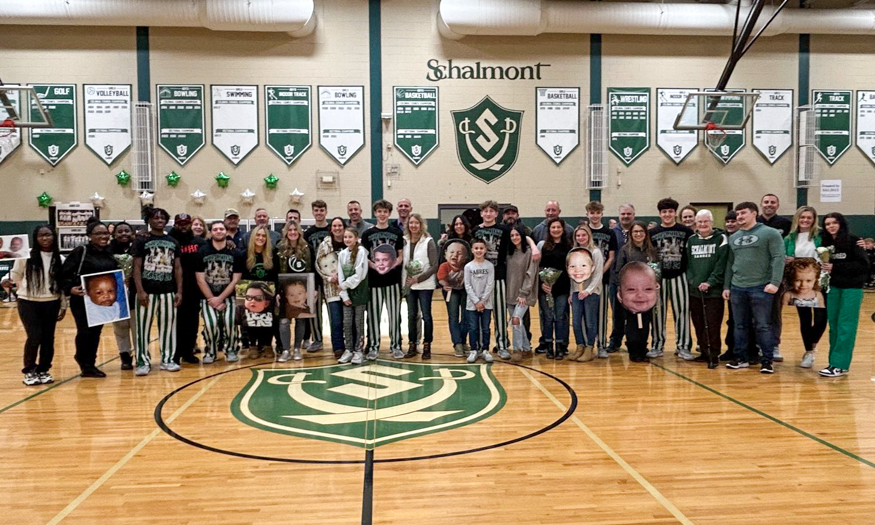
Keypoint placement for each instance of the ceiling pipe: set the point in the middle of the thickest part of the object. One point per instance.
(295, 17)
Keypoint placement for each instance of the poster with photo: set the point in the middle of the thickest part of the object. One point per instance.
(106, 299)
(455, 254)
(803, 283)
(298, 292)
(14, 246)
(71, 218)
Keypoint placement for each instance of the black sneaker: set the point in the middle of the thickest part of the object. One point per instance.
(832, 371)
(712, 365)
(728, 355)
(127, 361)
(766, 368)
(541, 349)
(735, 365)
(190, 359)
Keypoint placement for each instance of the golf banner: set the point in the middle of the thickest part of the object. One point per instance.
(416, 122)
(735, 138)
(181, 120)
(107, 119)
(557, 121)
(675, 143)
(629, 125)
(865, 123)
(341, 121)
(773, 123)
(287, 121)
(832, 134)
(235, 121)
(59, 101)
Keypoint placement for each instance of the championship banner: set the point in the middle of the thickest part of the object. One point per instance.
(416, 122)
(832, 133)
(341, 121)
(11, 137)
(865, 123)
(287, 121)
(235, 120)
(629, 127)
(107, 120)
(557, 121)
(59, 101)
(735, 138)
(676, 143)
(181, 120)
(773, 123)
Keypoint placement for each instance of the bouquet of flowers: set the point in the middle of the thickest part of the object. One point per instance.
(413, 268)
(824, 255)
(549, 276)
(125, 263)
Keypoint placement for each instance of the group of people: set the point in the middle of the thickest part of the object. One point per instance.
(489, 273)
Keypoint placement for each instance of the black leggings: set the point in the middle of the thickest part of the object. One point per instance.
(39, 320)
(87, 339)
(812, 323)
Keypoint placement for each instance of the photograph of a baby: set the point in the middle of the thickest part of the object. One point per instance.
(451, 273)
(299, 295)
(802, 282)
(257, 309)
(106, 299)
(14, 246)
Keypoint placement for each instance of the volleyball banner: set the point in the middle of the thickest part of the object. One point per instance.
(107, 120)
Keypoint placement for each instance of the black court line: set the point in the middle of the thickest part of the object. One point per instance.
(368, 488)
(769, 417)
(54, 385)
(159, 420)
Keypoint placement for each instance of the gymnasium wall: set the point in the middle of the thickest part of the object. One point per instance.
(337, 53)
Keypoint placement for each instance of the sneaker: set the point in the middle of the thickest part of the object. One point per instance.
(603, 353)
(613, 349)
(142, 370)
(209, 359)
(398, 353)
(735, 365)
(766, 368)
(832, 371)
(297, 355)
(373, 355)
(504, 354)
(231, 357)
(728, 355)
(776, 355)
(170, 367)
(45, 378)
(686, 355)
(807, 360)
(190, 359)
(315, 346)
(486, 356)
(472, 356)
(655, 353)
(356, 358)
(284, 357)
(346, 357)
(459, 350)
(31, 379)
(127, 360)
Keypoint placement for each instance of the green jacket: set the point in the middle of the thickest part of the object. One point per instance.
(790, 244)
(706, 263)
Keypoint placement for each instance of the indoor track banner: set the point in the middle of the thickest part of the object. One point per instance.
(287, 121)
(10, 139)
(59, 101)
(416, 122)
(735, 138)
(341, 121)
(865, 123)
(181, 120)
(107, 120)
(235, 121)
(676, 143)
(629, 126)
(773, 123)
(832, 134)
(557, 121)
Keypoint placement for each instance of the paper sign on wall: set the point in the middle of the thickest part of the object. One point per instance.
(832, 134)
(557, 121)
(676, 143)
(59, 100)
(416, 122)
(773, 123)
(181, 120)
(235, 121)
(287, 110)
(831, 190)
(629, 127)
(865, 123)
(341, 121)
(107, 120)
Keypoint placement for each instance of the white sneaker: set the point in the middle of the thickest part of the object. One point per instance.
(142, 370)
(208, 359)
(315, 346)
(504, 354)
(170, 367)
(284, 357)
(398, 353)
(297, 355)
(807, 360)
(31, 379)
(686, 355)
(231, 357)
(776, 355)
(45, 378)
(654, 354)
(356, 358)
(486, 356)
(472, 356)
(603, 353)
(346, 357)
(373, 355)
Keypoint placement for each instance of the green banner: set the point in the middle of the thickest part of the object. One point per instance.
(416, 121)
(629, 126)
(181, 120)
(287, 121)
(735, 138)
(832, 133)
(59, 101)
(487, 139)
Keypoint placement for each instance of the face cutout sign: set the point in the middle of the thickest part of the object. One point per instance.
(579, 265)
(639, 287)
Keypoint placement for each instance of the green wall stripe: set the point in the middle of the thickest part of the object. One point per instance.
(595, 86)
(375, 48)
(804, 84)
(144, 76)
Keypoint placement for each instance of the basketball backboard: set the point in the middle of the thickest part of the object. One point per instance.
(20, 107)
(707, 110)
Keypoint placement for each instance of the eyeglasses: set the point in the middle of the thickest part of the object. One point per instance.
(255, 298)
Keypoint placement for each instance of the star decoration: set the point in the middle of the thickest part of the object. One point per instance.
(198, 196)
(296, 196)
(45, 200)
(247, 196)
(147, 198)
(222, 179)
(123, 178)
(172, 179)
(97, 200)
(271, 181)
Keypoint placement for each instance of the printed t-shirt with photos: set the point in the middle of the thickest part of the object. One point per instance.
(497, 238)
(671, 245)
(375, 237)
(219, 266)
(159, 252)
(605, 241)
(314, 236)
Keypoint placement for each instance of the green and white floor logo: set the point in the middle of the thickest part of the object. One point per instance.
(371, 405)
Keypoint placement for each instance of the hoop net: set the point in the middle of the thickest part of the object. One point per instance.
(8, 138)
(715, 135)
(7, 127)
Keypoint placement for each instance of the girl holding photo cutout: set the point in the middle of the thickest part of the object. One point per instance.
(352, 277)
(294, 257)
(802, 242)
(585, 265)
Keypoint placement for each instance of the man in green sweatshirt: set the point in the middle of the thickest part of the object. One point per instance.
(707, 252)
(753, 273)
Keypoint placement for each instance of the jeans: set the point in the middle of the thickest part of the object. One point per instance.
(520, 336)
(419, 300)
(555, 318)
(753, 303)
(478, 329)
(585, 317)
(335, 319)
(456, 316)
(285, 333)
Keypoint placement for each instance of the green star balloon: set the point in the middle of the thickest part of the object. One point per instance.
(173, 178)
(123, 178)
(271, 181)
(45, 200)
(222, 179)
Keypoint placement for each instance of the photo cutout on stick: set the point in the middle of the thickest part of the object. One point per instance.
(639, 287)
(802, 284)
(106, 299)
(298, 295)
(384, 258)
(14, 246)
(243, 285)
(258, 301)
(580, 266)
(456, 254)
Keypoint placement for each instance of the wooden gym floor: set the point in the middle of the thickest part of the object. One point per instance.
(669, 442)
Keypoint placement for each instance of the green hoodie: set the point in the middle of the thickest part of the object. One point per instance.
(756, 258)
(706, 263)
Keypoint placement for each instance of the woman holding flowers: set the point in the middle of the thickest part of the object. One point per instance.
(555, 286)
(418, 276)
(803, 241)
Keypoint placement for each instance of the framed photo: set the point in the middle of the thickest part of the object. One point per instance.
(298, 292)
(14, 246)
(106, 298)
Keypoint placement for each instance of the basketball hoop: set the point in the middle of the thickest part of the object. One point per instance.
(7, 136)
(715, 135)
(7, 127)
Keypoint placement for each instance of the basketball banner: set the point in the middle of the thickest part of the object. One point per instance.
(832, 134)
(557, 121)
(287, 121)
(10, 139)
(487, 138)
(677, 144)
(341, 121)
(416, 122)
(235, 121)
(107, 120)
(59, 101)
(181, 120)
(865, 123)
(735, 138)
(629, 126)
(773, 123)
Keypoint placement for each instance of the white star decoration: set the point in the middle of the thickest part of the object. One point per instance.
(97, 200)
(198, 196)
(147, 198)
(296, 196)
(247, 196)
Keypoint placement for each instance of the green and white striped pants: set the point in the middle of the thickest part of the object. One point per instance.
(603, 317)
(499, 312)
(391, 295)
(676, 291)
(161, 308)
(219, 327)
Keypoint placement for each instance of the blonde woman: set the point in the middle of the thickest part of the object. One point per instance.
(418, 276)
(585, 298)
(803, 241)
(294, 257)
(262, 264)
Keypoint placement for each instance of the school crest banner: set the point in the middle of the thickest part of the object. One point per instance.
(487, 139)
